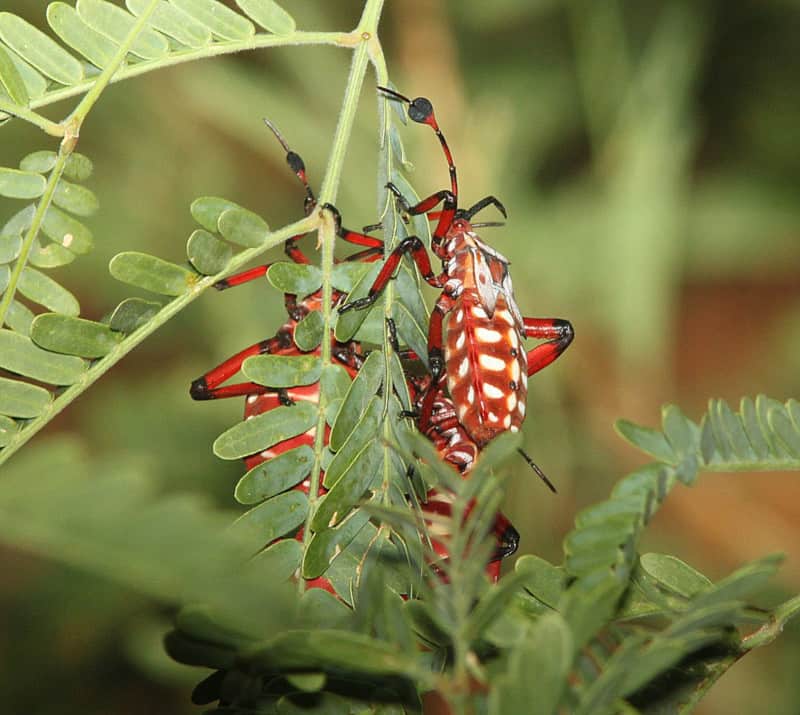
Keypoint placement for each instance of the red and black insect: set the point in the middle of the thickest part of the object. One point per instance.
(482, 361)
(458, 449)
(259, 398)
(445, 432)
(209, 386)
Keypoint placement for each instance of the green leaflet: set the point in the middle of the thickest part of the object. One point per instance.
(78, 167)
(269, 15)
(221, 20)
(75, 198)
(318, 649)
(363, 388)
(546, 651)
(786, 430)
(74, 336)
(151, 273)
(363, 432)
(673, 574)
(282, 370)
(11, 79)
(264, 430)
(35, 84)
(207, 253)
(348, 323)
(358, 478)
(8, 430)
(19, 318)
(243, 227)
(173, 22)
(206, 210)
(10, 244)
(281, 560)
(326, 545)
(50, 256)
(16, 184)
(294, 278)
(542, 580)
(273, 518)
(276, 475)
(648, 440)
(20, 355)
(69, 26)
(334, 381)
(132, 313)
(42, 289)
(347, 274)
(39, 50)
(308, 333)
(40, 161)
(114, 23)
(67, 232)
(19, 399)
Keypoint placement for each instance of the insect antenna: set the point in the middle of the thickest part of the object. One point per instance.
(539, 472)
(420, 110)
(488, 224)
(296, 164)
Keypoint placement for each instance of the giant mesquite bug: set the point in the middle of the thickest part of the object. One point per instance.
(481, 360)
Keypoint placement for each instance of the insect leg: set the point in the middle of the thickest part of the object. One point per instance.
(557, 332)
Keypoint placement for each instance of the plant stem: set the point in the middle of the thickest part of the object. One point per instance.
(71, 129)
(365, 32)
(99, 368)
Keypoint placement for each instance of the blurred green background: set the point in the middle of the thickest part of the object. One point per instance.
(648, 155)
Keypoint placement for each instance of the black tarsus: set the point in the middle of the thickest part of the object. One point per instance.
(480, 205)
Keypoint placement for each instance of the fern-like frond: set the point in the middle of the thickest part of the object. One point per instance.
(36, 70)
(763, 435)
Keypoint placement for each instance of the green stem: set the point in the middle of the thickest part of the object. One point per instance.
(365, 32)
(338, 39)
(15, 110)
(105, 77)
(64, 153)
(71, 131)
(99, 368)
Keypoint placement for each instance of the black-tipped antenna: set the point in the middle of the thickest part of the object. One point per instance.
(539, 472)
(489, 224)
(296, 164)
(394, 94)
(277, 134)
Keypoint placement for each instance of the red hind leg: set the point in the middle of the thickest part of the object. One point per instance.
(557, 332)
(207, 386)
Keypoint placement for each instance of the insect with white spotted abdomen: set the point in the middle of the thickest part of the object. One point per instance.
(482, 360)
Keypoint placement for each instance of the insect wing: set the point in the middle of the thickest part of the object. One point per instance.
(484, 282)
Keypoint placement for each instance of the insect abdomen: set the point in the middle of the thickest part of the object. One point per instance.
(486, 370)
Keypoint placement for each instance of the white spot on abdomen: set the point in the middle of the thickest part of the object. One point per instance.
(485, 335)
(489, 362)
(492, 391)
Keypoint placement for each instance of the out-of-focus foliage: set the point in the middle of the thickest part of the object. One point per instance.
(646, 153)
